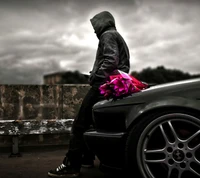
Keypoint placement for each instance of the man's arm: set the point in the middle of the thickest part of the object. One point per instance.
(110, 54)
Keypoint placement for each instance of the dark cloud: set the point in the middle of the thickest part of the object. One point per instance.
(42, 36)
(26, 74)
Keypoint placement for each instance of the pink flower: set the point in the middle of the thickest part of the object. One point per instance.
(121, 85)
(103, 88)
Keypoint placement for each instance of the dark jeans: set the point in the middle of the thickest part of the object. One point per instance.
(82, 122)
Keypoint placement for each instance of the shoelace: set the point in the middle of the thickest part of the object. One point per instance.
(60, 167)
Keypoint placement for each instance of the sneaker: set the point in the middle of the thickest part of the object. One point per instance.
(64, 171)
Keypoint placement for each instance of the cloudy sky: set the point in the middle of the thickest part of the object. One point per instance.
(44, 36)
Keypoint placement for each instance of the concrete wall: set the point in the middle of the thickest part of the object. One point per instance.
(37, 103)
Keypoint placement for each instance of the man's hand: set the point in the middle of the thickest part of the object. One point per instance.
(91, 78)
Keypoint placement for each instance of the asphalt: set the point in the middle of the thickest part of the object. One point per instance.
(36, 163)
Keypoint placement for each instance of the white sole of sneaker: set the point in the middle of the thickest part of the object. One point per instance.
(68, 175)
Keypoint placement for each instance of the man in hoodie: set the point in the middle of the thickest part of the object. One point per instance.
(112, 54)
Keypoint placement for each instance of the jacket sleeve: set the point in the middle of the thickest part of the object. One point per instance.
(110, 54)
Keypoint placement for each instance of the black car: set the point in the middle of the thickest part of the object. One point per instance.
(154, 133)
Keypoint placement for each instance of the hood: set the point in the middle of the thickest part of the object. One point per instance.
(102, 22)
(182, 89)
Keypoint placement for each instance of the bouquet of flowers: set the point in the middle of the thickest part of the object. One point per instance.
(120, 85)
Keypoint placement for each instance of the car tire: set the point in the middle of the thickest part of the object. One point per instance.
(144, 136)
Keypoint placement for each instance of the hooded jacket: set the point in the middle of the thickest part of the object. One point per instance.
(112, 52)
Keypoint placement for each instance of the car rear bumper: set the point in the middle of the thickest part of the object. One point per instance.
(108, 147)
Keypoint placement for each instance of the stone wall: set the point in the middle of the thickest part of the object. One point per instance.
(40, 101)
(37, 103)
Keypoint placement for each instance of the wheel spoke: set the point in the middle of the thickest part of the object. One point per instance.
(155, 161)
(193, 136)
(164, 134)
(196, 161)
(195, 172)
(154, 151)
(196, 147)
(169, 172)
(179, 173)
(173, 131)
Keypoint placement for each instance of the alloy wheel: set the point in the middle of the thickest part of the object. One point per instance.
(169, 147)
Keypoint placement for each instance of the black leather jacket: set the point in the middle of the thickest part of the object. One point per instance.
(112, 52)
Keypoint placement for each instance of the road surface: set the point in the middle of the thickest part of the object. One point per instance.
(36, 164)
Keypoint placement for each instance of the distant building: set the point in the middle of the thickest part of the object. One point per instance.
(65, 77)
